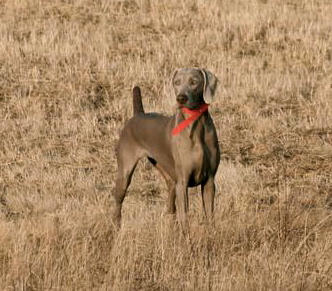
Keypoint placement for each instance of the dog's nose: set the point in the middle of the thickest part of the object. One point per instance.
(181, 98)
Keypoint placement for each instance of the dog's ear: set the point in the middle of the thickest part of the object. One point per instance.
(210, 85)
(173, 77)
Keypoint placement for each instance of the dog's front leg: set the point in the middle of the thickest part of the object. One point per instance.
(182, 203)
(208, 192)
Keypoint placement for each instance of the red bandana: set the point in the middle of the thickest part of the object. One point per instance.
(194, 114)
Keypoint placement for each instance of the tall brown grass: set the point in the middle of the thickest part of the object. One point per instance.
(66, 72)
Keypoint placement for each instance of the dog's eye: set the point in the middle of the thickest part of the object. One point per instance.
(192, 82)
(177, 82)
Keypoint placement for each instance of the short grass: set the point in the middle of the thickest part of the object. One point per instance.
(66, 73)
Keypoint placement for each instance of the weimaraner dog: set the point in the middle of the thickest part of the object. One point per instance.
(184, 147)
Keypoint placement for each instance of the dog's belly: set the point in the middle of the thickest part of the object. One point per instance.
(198, 175)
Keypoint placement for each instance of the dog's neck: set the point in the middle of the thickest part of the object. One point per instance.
(190, 115)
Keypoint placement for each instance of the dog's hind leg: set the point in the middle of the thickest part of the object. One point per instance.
(127, 159)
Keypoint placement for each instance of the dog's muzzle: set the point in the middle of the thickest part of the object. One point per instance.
(182, 99)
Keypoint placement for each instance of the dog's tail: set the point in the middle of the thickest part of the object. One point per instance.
(137, 101)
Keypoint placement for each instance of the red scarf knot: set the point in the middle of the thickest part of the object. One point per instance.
(194, 114)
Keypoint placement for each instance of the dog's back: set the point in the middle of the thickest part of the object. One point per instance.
(149, 134)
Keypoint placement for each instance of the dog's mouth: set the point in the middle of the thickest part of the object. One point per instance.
(189, 104)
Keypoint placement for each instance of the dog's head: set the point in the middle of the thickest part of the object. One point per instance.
(194, 87)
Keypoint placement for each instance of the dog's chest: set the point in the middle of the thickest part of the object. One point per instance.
(192, 157)
(200, 168)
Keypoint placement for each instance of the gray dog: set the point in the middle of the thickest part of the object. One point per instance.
(184, 147)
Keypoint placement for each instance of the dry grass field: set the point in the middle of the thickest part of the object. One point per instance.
(67, 68)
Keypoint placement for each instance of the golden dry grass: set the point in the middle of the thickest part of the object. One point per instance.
(66, 72)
